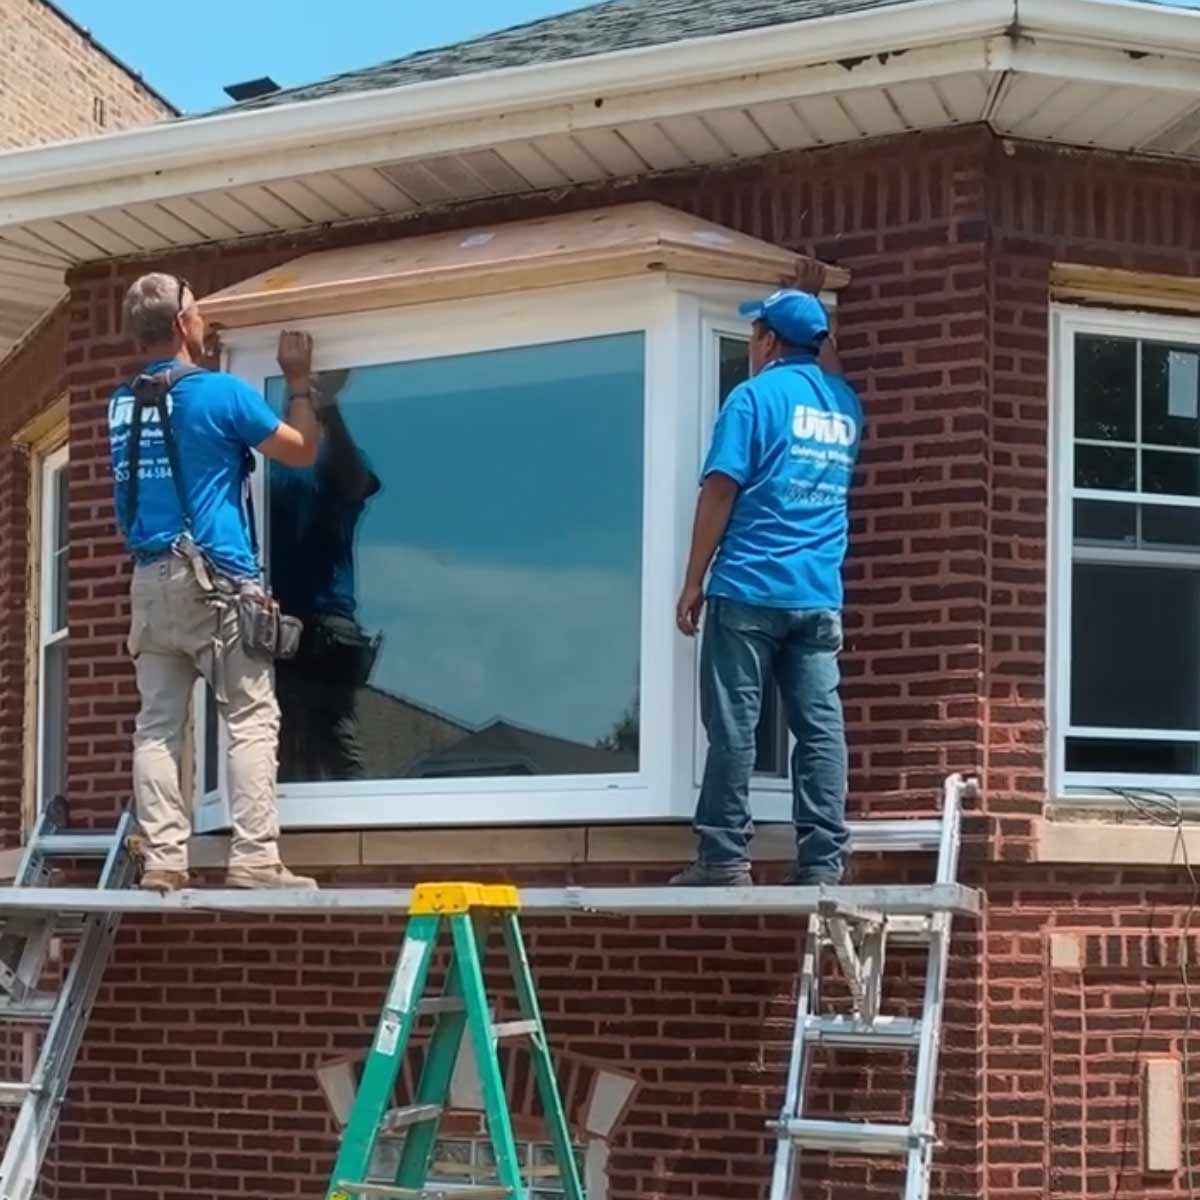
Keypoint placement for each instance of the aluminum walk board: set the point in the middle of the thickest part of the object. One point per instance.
(889, 900)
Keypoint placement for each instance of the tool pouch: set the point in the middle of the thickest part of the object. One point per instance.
(265, 631)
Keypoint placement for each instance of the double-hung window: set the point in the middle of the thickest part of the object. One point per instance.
(53, 547)
(1125, 646)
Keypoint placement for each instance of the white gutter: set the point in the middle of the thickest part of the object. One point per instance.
(243, 147)
(215, 141)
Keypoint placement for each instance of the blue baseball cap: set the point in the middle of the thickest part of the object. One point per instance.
(797, 317)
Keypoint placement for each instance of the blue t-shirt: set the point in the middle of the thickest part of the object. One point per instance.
(313, 519)
(789, 437)
(216, 418)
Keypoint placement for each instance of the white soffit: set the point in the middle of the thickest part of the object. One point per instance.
(1112, 74)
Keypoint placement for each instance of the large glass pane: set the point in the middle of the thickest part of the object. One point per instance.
(1170, 395)
(1135, 647)
(466, 555)
(1105, 388)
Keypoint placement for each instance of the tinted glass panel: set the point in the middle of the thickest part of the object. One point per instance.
(1105, 521)
(54, 726)
(1170, 395)
(1165, 527)
(1105, 468)
(1105, 388)
(467, 558)
(1135, 757)
(1167, 473)
(1135, 647)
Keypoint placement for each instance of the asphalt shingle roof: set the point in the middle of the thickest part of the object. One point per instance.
(597, 29)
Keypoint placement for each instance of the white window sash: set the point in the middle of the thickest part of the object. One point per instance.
(669, 312)
(50, 563)
(1066, 322)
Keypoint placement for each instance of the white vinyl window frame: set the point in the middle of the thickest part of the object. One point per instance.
(52, 563)
(770, 794)
(1087, 789)
(676, 315)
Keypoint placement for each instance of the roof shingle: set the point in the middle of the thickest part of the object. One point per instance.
(596, 29)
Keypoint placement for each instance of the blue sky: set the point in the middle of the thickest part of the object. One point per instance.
(190, 52)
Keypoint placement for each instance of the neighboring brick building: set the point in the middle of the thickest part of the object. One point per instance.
(1016, 204)
(58, 83)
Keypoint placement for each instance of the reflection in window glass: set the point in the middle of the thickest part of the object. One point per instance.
(1170, 396)
(1105, 388)
(466, 557)
(771, 736)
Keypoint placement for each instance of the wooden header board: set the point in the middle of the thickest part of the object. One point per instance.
(604, 243)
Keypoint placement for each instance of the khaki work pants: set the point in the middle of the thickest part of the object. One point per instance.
(178, 635)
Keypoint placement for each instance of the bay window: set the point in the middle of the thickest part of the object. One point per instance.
(1125, 649)
(488, 551)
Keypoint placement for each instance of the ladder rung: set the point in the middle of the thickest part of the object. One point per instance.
(413, 1114)
(512, 1029)
(440, 1004)
(75, 845)
(431, 1191)
(36, 1007)
(15, 1093)
(852, 1137)
(884, 1033)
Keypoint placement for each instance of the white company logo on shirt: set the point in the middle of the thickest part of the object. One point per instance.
(830, 429)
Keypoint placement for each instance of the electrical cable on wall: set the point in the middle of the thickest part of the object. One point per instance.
(1164, 808)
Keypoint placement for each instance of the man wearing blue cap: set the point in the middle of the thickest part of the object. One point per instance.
(772, 521)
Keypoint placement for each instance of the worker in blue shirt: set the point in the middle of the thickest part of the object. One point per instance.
(772, 522)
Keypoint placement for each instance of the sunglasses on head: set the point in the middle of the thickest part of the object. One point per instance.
(184, 288)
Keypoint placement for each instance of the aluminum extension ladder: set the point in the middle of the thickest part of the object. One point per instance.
(468, 910)
(859, 938)
(25, 941)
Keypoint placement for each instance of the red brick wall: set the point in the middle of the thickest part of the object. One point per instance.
(209, 1029)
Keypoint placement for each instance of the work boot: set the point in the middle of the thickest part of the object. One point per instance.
(699, 874)
(800, 876)
(157, 879)
(270, 877)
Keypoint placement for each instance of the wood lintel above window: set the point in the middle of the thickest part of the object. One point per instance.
(1075, 283)
(579, 247)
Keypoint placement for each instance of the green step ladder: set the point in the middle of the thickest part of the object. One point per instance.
(469, 910)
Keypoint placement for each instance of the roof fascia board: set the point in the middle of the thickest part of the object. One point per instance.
(220, 139)
(1123, 24)
(462, 136)
(1087, 63)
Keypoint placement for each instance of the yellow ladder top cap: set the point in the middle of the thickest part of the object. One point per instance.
(462, 897)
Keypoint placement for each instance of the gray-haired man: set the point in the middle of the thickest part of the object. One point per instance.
(190, 537)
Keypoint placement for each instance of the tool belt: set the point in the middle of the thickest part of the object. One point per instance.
(264, 630)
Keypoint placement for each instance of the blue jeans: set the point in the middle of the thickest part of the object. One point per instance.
(745, 650)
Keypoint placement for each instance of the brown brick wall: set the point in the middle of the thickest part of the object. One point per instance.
(52, 76)
(196, 1077)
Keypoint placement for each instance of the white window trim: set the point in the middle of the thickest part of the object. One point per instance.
(675, 313)
(47, 465)
(1080, 789)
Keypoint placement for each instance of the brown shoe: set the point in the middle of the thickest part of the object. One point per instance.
(273, 877)
(156, 880)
